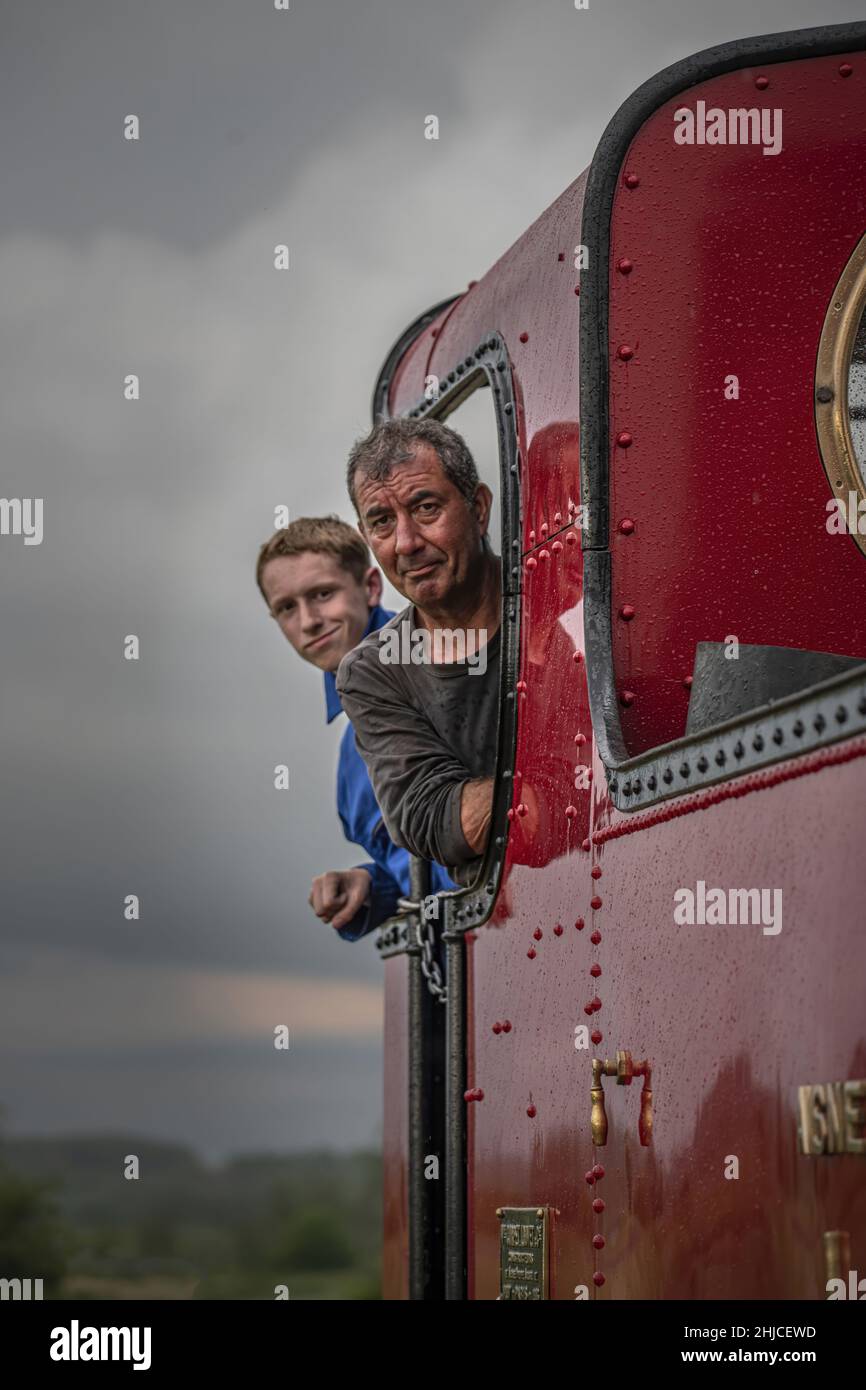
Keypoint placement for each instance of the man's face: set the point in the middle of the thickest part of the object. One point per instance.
(320, 607)
(421, 530)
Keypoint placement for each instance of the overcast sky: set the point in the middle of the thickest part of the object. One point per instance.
(156, 777)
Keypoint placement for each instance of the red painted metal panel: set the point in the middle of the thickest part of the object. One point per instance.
(735, 257)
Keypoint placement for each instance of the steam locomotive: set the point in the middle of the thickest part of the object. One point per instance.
(641, 1073)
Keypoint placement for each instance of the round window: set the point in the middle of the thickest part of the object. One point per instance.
(840, 399)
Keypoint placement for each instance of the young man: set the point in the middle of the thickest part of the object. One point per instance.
(320, 587)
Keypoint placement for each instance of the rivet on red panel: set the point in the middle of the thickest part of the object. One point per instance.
(626, 526)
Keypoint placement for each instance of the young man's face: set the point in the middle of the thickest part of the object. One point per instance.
(321, 608)
(421, 530)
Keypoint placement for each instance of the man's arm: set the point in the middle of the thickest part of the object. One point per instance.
(417, 779)
(476, 806)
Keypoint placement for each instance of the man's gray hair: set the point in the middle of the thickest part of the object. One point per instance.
(394, 442)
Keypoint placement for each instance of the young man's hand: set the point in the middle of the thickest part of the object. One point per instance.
(336, 896)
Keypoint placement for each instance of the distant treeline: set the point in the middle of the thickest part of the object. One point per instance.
(183, 1228)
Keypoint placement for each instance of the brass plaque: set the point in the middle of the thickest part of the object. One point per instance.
(833, 1118)
(523, 1252)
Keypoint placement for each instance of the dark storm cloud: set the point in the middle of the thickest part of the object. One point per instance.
(155, 777)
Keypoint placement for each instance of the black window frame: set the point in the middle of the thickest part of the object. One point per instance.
(487, 365)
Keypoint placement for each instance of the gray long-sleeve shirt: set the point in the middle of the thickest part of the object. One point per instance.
(423, 730)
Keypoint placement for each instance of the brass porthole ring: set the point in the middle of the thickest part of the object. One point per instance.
(842, 324)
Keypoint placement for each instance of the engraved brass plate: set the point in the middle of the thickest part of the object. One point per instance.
(833, 1118)
(523, 1252)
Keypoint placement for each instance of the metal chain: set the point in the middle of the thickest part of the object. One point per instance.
(429, 964)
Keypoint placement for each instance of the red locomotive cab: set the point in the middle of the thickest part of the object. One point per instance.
(644, 1073)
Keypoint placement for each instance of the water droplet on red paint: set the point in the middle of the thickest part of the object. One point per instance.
(524, 337)
(595, 903)
(626, 526)
(595, 971)
(595, 938)
(598, 1171)
(587, 1008)
(596, 1004)
(598, 1205)
(557, 930)
(506, 1025)
(532, 953)
(598, 1242)
(538, 933)
(579, 924)
(595, 871)
(598, 1279)
(589, 1178)
(624, 265)
(531, 1111)
(596, 1036)
(497, 1027)
(631, 180)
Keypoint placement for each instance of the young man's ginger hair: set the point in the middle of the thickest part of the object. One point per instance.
(327, 535)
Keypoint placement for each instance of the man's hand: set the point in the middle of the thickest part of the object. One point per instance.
(336, 896)
(476, 806)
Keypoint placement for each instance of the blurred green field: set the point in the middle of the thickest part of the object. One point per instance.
(185, 1229)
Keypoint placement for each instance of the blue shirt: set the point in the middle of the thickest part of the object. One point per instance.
(363, 825)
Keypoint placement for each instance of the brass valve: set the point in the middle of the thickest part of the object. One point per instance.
(624, 1069)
